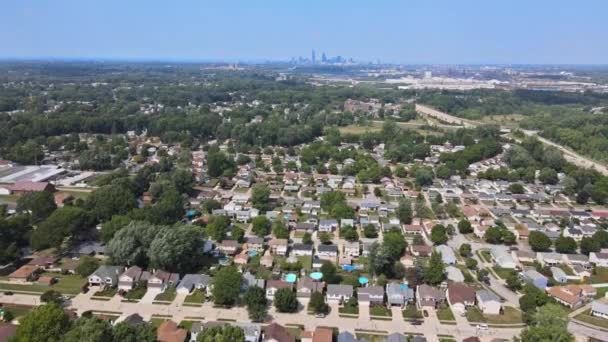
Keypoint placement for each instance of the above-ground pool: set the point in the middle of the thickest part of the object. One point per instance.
(316, 275)
(363, 280)
(349, 268)
(291, 278)
(191, 213)
(252, 253)
(404, 286)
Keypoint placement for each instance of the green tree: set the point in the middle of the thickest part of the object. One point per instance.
(471, 263)
(395, 244)
(307, 238)
(90, 329)
(62, 223)
(404, 212)
(464, 249)
(434, 272)
(493, 235)
(439, 234)
(261, 226)
(589, 245)
(39, 204)
(126, 332)
(285, 300)
(226, 286)
(86, 266)
(260, 197)
(177, 249)
(565, 244)
(550, 324)
(217, 227)
(516, 188)
(349, 233)
(110, 200)
(330, 273)
(370, 231)
(257, 305)
(317, 303)
(325, 237)
(47, 323)
(51, 296)
(227, 333)
(130, 245)
(279, 230)
(464, 227)
(513, 282)
(539, 242)
(109, 228)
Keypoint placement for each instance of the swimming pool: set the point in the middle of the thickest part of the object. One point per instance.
(316, 275)
(252, 253)
(291, 278)
(363, 280)
(349, 268)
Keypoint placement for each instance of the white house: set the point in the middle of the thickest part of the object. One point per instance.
(488, 302)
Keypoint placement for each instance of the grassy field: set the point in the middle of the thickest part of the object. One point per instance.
(485, 255)
(17, 310)
(107, 292)
(511, 120)
(136, 293)
(67, 284)
(444, 313)
(411, 312)
(349, 310)
(380, 310)
(167, 296)
(196, 297)
(502, 272)
(600, 275)
(510, 316)
(587, 318)
(306, 262)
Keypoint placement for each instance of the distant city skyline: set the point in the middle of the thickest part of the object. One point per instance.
(409, 32)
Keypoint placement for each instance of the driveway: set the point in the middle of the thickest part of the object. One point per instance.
(148, 298)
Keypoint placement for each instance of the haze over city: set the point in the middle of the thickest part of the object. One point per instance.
(428, 32)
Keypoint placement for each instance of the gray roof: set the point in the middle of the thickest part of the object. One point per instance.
(371, 290)
(327, 248)
(487, 296)
(192, 280)
(302, 247)
(343, 290)
(600, 306)
(395, 337)
(106, 271)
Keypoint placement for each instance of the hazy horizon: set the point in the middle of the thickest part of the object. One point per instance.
(434, 32)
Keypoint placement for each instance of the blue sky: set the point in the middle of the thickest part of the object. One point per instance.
(406, 31)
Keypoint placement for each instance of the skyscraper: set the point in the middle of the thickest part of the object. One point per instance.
(314, 57)
(323, 58)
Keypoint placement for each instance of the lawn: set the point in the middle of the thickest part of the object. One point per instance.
(411, 312)
(349, 310)
(371, 337)
(485, 255)
(167, 296)
(107, 292)
(600, 275)
(444, 313)
(136, 293)
(306, 262)
(186, 324)
(601, 292)
(380, 310)
(67, 284)
(17, 310)
(510, 316)
(156, 322)
(196, 297)
(502, 272)
(587, 318)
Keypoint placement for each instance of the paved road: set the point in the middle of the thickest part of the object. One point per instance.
(569, 155)
(430, 327)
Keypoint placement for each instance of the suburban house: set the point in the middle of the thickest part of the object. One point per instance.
(278, 246)
(276, 333)
(454, 274)
(161, 280)
(274, 285)
(191, 282)
(24, 274)
(229, 247)
(488, 302)
(352, 248)
(599, 308)
(250, 280)
(48, 262)
(105, 276)
(502, 258)
(255, 244)
(550, 259)
(322, 335)
(413, 229)
(421, 250)
(460, 296)
(129, 279)
(339, 293)
(399, 294)
(427, 296)
(306, 287)
(168, 331)
(565, 296)
(371, 295)
(533, 277)
(327, 252)
(300, 249)
(599, 259)
(328, 225)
